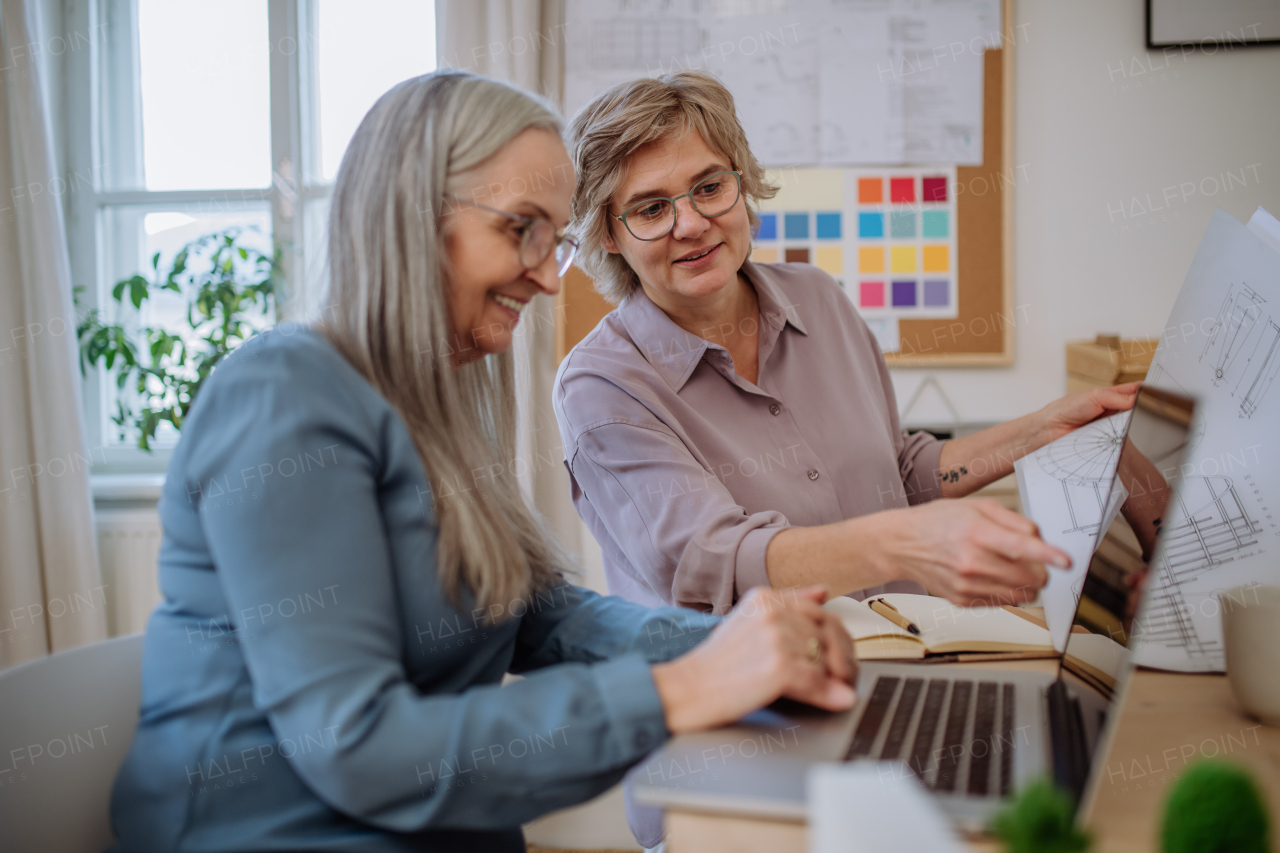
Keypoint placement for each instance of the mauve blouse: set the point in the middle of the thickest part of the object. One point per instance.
(684, 470)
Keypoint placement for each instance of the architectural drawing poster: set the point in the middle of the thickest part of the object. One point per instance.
(815, 82)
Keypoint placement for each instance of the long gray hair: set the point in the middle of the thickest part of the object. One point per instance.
(389, 317)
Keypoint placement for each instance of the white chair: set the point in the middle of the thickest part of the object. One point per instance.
(66, 722)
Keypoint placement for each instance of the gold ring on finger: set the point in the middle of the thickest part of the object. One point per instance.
(815, 650)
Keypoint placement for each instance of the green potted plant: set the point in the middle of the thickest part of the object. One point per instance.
(1040, 820)
(225, 283)
(1216, 807)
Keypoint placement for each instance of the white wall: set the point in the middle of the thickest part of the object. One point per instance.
(1092, 133)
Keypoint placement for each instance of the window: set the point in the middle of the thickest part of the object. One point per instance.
(196, 116)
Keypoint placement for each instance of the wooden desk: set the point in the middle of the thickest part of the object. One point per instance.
(1167, 721)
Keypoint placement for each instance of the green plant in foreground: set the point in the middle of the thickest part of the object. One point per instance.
(224, 282)
(1215, 808)
(1040, 820)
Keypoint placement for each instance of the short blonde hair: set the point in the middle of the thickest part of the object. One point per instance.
(607, 131)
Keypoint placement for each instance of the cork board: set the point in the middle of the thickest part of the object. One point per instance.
(983, 333)
(578, 309)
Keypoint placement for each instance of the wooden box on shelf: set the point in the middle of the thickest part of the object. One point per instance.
(1108, 360)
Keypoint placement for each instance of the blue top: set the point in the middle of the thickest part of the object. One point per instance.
(306, 684)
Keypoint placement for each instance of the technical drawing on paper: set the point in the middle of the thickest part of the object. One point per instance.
(1267, 355)
(1085, 464)
(1243, 349)
(1223, 530)
(1240, 312)
(1207, 527)
(623, 44)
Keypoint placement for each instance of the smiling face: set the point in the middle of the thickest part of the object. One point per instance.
(700, 256)
(488, 287)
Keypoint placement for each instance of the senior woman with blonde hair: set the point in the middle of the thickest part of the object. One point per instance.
(732, 424)
(342, 595)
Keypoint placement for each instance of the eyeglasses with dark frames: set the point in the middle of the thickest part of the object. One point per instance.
(539, 237)
(654, 218)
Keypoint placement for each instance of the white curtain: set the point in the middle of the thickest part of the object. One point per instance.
(522, 42)
(51, 595)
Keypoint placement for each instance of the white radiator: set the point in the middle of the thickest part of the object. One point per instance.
(128, 544)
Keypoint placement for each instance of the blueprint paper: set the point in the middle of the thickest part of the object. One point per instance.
(1222, 346)
(1066, 489)
(815, 82)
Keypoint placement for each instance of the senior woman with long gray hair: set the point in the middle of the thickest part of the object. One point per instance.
(342, 596)
(732, 424)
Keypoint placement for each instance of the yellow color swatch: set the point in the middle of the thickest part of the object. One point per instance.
(870, 259)
(902, 259)
(764, 256)
(831, 259)
(936, 259)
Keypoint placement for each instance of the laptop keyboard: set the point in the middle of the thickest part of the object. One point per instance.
(957, 736)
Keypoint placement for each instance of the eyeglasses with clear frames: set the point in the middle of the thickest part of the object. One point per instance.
(539, 237)
(654, 218)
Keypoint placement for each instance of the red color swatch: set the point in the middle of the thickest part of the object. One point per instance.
(934, 189)
(902, 190)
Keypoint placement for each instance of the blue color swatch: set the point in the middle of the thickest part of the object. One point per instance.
(797, 226)
(828, 226)
(902, 223)
(768, 227)
(870, 225)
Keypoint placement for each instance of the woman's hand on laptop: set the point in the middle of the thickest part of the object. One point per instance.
(774, 643)
(970, 551)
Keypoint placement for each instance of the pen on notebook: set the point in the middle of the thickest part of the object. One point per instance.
(891, 613)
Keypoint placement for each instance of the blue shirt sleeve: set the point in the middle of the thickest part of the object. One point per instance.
(569, 623)
(591, 712)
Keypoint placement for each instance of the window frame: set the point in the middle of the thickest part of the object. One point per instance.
(292, 80)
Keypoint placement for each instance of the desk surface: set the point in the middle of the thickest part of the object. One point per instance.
(1167, 721)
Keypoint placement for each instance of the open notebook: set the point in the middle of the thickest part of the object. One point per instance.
(967, 633)
(944, 628)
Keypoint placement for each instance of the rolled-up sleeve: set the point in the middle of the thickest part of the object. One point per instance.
(672, 515)
(918, 455)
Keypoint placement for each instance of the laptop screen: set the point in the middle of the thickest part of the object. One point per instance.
(1097, 652)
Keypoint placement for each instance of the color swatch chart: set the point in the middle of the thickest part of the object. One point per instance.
(887, 235)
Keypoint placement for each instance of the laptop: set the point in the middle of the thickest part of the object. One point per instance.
(972, 734)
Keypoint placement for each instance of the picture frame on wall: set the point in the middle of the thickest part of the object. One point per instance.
(1212, 25)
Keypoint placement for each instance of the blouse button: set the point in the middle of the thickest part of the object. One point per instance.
(813, 475)
(641, 740)
(775, 409)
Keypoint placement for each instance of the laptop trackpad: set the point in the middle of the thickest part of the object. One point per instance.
(760, 761)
